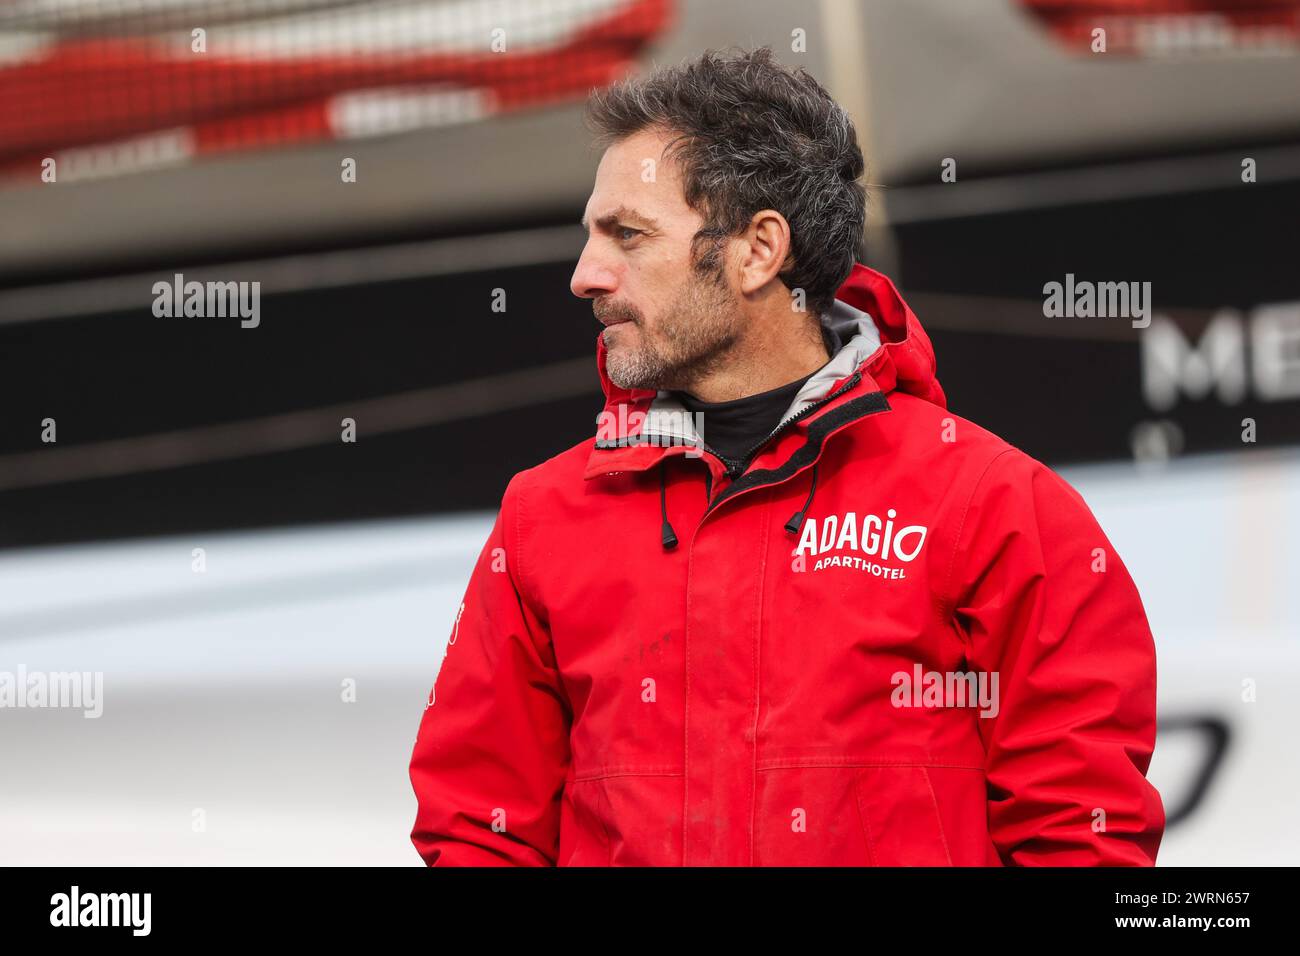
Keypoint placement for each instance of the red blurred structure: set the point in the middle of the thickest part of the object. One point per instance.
(140, 90)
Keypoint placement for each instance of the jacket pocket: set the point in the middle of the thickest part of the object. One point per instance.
(623, 817)
(808, 816)
(901, 820)
(584, 838)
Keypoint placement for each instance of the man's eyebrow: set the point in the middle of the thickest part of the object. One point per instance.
(621, 214)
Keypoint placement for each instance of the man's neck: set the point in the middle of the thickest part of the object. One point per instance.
(775, 352)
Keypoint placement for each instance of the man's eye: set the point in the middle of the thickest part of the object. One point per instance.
(627, 233)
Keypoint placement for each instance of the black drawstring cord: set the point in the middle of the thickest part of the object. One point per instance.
(796, 519)
(669, 538)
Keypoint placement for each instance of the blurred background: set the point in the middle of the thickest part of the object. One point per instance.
(268, 604)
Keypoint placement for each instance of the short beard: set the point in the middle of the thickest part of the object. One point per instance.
(698, 329)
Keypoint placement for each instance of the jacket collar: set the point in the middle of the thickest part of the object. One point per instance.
(872, 332)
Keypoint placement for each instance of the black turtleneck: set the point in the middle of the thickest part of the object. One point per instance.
(733, 428)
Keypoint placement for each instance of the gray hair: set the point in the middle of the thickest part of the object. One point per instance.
(752, 135)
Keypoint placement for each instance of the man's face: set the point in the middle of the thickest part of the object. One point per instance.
(667, 322)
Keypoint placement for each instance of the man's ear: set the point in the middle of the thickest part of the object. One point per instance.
(767, 250)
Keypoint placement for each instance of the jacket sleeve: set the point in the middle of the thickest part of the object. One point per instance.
(1047, 606)
(492, 748)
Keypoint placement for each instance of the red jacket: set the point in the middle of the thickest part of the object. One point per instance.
(781, 685)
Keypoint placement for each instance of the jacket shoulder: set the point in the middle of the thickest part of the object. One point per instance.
(559, 471)
(988, 460)
(976, 447)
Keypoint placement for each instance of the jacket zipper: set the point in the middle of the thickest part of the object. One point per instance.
(868, 404)
(743, 461)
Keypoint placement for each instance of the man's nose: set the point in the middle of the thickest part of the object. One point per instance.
(591, 277)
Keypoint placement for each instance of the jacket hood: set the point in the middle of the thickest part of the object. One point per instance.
(872, 331)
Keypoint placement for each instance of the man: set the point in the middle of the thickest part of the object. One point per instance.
(786, 608)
